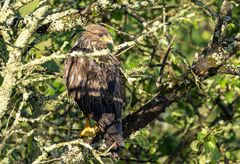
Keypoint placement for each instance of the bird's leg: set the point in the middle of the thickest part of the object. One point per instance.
(89, 131)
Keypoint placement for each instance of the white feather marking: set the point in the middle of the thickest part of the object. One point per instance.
(79, 77)
(73, 77)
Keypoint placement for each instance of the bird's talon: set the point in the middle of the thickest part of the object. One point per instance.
(89, 132)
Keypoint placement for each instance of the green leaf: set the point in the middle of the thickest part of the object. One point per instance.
(195, 145)
(201, 135)
(152, 150)
(213, 150)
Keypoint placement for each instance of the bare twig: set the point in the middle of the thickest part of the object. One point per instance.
(165, 60)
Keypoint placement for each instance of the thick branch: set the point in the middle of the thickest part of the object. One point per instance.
(223, 18)
(67, 20)
(176, 90)
(167, 95)
(14, 61)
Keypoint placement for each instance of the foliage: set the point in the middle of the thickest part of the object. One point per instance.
(39, 123)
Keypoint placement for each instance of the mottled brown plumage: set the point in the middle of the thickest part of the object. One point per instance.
(96, 84)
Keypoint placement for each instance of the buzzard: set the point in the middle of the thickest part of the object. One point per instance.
(96, 86)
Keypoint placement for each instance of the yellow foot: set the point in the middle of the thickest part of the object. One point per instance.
(89, 132)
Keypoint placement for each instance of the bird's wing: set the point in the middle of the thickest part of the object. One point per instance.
(86, 83)
(112, 81)
(110, 119)
(75, 75)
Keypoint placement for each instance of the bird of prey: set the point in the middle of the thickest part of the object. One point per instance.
(96, 86)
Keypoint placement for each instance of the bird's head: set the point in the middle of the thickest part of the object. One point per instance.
(96, 37)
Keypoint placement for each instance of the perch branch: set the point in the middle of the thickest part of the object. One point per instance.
(176, 90)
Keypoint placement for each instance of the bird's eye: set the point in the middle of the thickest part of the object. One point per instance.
(100, 35)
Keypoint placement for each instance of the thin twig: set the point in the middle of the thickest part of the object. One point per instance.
(165, 60)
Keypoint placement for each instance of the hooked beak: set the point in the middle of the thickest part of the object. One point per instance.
(107, 39)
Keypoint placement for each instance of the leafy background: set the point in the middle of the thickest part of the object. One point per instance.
(201, 128)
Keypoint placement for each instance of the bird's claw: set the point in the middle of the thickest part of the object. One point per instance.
(89, 132)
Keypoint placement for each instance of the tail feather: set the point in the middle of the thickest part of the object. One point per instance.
(114, 139)
(113, 134)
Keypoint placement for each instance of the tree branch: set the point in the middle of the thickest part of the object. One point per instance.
(15, 55)
(228, 69)
(178, 89)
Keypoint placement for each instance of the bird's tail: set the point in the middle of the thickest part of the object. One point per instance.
(114, 139)
(113, 135)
